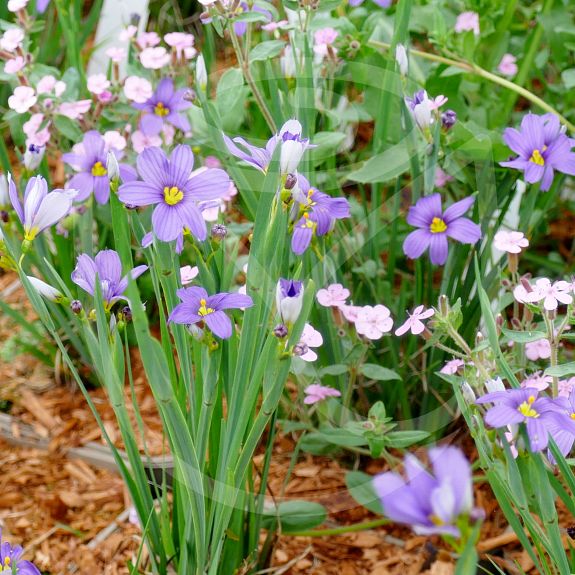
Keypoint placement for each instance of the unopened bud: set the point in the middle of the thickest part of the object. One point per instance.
(291, 181)
(468, 393)
(479, 338)
(4, 216)
(515, 324)
(300, 349)
(443, 305)
(525, 283)
(112, 166)
(76, 306)
(448, 119)
(219, 231)
(280, 331)
(127, 313)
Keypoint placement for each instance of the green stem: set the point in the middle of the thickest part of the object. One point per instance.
(477, 70)
(340, 530)
(245, 66)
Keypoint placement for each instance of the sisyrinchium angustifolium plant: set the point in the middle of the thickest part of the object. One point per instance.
(261, 203)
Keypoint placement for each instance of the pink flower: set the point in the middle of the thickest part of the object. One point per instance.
(467, 21)
(507, 66)
(140, 141)
(114, 140)
(14, 65)
(540, 349)
(180, 41)
(116, 54)
(566, 387)
(335, 295)
(452, 366)
(98, 83)
(437, 102)
(188, 273)
(323, 38)
(552, 294)
(510, 242)
(520, 292)
(35, 136)
(212, 162)
(441, 178)
(317, 392)
(350, 312)
(537, 380)
(74, 110)
(22, 99)
(373, 322)
(148, 40)
(311, 338)
(46, 84)
(105, 97)
(12, 39)
(138, 89)
(15, 5)
(273, 26)
(414, 322)
(154, 58)
(128, 33)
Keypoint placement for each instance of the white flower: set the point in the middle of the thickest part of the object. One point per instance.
(45, 290)
(289, 299)
(401, 59)
(293, 146)
(494, 385)
(114, 140)
(155, 58)
(98, 84)
(33, 157)
(22, 99)
(15, 5)
(112, 166)
(311, 338)
(373, 322)
(201, 73)
(188, 273)
(510, 242)
(550, 293)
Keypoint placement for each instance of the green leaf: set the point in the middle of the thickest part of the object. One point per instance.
(337, 369)
(561, 370)
(360, 486)
(266, 50)
(523, 336)
(401, 439)
(231, 95)
(568, 77)
(383, 167)
(327, 144)
(377, 372)
(68, 128)
(296, 515)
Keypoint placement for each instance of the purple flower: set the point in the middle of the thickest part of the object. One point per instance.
(41, 5)
(11, 562)
(316, 214)
(165, 105)
(541, 147)
(435, 226)
(292, 144)
(108, 268)
(197, 306)
(171, 185)
(90, 160)
(381, 3)
(41, 209)
(563, 432)
(514, 406)
(240, 27)
(430, 503)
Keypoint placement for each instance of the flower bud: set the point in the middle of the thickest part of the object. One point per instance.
(493, 385)
(443, 305)
(76, 307)
(468, 393)
(289, 300)
(219, 231)
(45, 290)
(280, 331)
(300, 349)
(448, 119)
(291, 181)
(33, 157)
(4, 194)
(4, 216)
(112, 166)
(127, 313)
(201, 73)
(401, 59)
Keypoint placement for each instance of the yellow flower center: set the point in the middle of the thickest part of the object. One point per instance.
(203, 309)
(308, 223)
(161, 110)
(173, 195)
(526, 408)
(437, 226)
(537, 158)
(573, 416)
(30, 235)
(98, 169)
(7, 562)
(436, 520)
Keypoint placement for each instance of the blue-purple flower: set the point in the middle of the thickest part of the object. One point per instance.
(436, 225)
(515, 406)
(175, 190)
(293, 146)
(563, 435)
(90, 159)
(381, 3)
(289, 299)
(316, 213)
(165, 105)
(199, 307)
(106, 267)
(11, 560)
(541, 147)
(41, 209)
(429, 503)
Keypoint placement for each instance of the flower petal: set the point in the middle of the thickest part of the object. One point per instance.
(219, 323)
